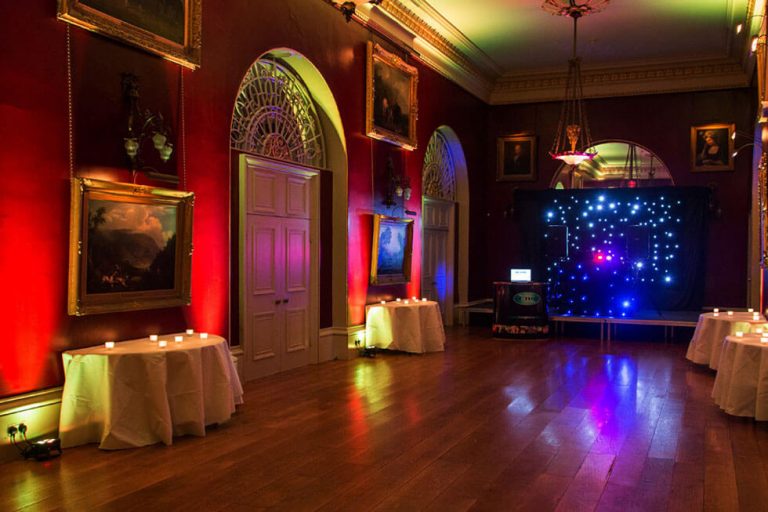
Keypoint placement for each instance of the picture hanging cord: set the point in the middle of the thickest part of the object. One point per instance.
(183, 132)
(70, 127)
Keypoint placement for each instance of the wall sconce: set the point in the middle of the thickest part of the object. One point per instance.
(398, 187)
(142, 126)
(348, 8)
(746, 145)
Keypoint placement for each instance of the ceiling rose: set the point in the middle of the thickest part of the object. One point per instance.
(574, 8)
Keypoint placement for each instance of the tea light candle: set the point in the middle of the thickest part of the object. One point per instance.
(759, 330)
(763, 340)
(398, 299)
(751, 310)
(424, 299)
(203, 335)
(178, 339)
(153, 337)
(407, 301)
(383, 302)
(730, 313)
(414, 298)
(162, 344)
(755, 316)
(715, 314)
(739, 334)
(190, 332)
(109, 344)
(716, 310)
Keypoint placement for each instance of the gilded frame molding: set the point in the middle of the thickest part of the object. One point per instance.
(81, 301)
(375, 127)
(404, 276)
(91, 18)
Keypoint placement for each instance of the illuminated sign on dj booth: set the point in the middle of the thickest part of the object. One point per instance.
(616, 252)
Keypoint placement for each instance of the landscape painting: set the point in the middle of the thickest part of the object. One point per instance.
(391, 250)
(130, 247)
(169, 28)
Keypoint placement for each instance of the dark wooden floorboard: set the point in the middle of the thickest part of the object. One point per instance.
(487, 425)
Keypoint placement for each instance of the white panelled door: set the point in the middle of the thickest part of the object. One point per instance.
(437, 254)
(276, 269)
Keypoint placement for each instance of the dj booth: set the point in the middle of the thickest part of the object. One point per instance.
(520, 310)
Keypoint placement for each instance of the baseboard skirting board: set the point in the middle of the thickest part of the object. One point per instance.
(39, 410)
(339, 342)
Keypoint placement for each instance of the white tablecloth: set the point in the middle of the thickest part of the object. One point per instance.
(741, 384)
(137, 394)
(707, 340)
(414, 327)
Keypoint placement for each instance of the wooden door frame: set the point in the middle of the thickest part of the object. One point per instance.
(247, 161)
(450, 249)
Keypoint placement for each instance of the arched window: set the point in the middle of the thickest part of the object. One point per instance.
(274, 116)
(439, 172)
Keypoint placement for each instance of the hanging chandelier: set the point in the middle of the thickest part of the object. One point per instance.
(573, 143)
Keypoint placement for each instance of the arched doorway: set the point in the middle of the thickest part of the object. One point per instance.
(286, 131)
(445, 190)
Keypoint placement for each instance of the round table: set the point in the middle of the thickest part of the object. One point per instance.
(137, 393)
(741, 384)
(707, 340)
(412, 326)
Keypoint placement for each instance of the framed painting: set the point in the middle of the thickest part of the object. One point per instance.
(391, 251)
(712, 147)
(169, 29)
(130, 247)
(391, 104)
(516, 158)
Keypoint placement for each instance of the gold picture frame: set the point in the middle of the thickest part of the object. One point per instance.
(391, 101)
(516, 158)
(391, 250)
(712, 147)
(169, 29)
(130, 247)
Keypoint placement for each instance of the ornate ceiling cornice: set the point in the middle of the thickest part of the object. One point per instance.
(624, 81)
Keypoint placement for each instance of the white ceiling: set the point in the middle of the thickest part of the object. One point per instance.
(507, 51)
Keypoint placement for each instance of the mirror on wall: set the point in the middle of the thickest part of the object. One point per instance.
(618, 164)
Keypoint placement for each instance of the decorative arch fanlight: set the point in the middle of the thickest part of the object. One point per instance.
(439, 172)
(275, 117)
(618, 164)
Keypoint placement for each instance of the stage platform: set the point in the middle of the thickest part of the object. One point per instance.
(608, 325)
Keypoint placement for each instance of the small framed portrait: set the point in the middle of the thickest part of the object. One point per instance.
(391, 105)
(169, 29)
(712, 147)
(516, 158)
(130, 247)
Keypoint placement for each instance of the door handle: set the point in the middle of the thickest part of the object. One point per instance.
(277, 302)
(285, 301)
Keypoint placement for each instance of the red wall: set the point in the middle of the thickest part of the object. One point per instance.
(34, 201)
(661, 123)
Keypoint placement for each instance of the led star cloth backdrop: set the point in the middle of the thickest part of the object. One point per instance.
(617, 252)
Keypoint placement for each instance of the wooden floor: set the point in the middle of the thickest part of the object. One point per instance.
(487, 425)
